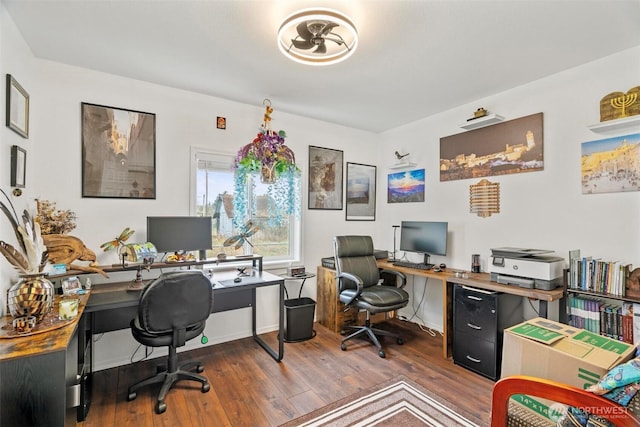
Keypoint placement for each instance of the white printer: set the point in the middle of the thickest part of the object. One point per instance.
(527, 268)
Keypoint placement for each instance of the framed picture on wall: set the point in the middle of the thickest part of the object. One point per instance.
(514, 146)
(406, 187)
(17, 109)
(361, 192)
(325, 178)
(18, 166)
(611, 165)
(118, 153)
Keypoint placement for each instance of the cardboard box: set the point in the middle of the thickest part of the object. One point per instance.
(547, 349)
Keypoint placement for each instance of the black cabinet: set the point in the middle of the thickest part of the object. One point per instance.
(42, 387)
(479, 317)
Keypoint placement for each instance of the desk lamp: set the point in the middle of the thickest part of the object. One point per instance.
(393, 256)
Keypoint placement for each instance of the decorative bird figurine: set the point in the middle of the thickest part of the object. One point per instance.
(64, 249)
(400, 156)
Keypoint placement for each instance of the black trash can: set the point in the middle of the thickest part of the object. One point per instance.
(299, 319)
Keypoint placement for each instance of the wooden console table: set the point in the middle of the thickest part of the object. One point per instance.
(43, 375)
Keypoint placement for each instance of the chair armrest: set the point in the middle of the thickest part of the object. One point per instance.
(557, 392)
(357, 280)
(401, 275)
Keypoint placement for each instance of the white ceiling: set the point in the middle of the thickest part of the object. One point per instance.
(415, 58)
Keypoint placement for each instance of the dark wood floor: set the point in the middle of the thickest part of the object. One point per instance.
(248, 388)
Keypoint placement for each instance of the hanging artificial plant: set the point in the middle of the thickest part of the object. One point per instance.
(268, 156)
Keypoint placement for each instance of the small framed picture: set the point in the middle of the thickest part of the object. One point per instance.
(18, 166)
(17, 110)
(221, 122)
(71, 286)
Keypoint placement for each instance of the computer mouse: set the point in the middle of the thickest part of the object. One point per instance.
(237, 280)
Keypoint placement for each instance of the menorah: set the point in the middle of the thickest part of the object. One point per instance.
(624, 101)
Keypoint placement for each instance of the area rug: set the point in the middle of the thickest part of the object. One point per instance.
(399, 402)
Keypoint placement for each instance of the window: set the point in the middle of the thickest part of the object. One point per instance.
(213, 194)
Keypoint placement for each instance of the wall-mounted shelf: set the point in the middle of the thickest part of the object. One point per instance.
(490, 119)
(616, 125)
(402, 165)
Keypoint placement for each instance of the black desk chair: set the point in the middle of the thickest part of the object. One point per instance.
(359, 286)
(172, 310)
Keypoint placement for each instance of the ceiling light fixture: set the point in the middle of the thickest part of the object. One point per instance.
(317, 37)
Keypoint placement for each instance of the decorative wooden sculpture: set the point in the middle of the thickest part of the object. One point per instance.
(484, 198)
(64, 249)
(618, 105)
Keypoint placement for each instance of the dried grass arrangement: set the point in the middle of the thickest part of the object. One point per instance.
(54, 221)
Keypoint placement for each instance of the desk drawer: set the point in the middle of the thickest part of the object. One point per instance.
(475, 313)
(478, 355)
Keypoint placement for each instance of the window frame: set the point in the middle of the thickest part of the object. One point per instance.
(223, 159)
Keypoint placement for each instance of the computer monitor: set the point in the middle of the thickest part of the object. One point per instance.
(180, 233)
(425, 237)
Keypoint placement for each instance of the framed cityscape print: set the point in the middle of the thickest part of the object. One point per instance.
(361, 192)
(325, 178)
(118, 153)
(611, 165)
(514, 146)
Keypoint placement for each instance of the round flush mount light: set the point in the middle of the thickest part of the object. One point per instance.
(317, 37)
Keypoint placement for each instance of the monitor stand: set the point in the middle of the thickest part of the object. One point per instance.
(426, 259)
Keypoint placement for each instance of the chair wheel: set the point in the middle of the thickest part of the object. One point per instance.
(131, 396)
(400, 341)
(205, 387)
(381, 354)
(161, 407)
(343, 332)
(199, 368)
(343, 346)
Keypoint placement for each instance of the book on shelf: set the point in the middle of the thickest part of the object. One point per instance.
(590, 274)
(613, 320)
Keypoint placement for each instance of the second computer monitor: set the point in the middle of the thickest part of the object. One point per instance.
(425, 237)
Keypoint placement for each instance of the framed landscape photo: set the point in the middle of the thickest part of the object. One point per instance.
(406, 187)
(361, 192)
(325, 178)
(17, 109)
(118, 153)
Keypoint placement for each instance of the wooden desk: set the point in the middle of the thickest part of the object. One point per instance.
(476, 280)
(43, 375)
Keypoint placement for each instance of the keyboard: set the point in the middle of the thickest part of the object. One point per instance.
(416, 265)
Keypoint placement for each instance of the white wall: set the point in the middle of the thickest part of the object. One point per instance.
(15, 59)
(545, 209)
(183, 119)
(542, 209)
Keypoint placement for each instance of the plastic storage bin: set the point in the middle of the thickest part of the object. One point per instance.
(299, 319)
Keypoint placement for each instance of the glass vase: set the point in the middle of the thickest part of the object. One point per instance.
(32, 295)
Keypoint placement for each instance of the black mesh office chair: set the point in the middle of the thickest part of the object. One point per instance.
(172, 310)
(359, 285)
